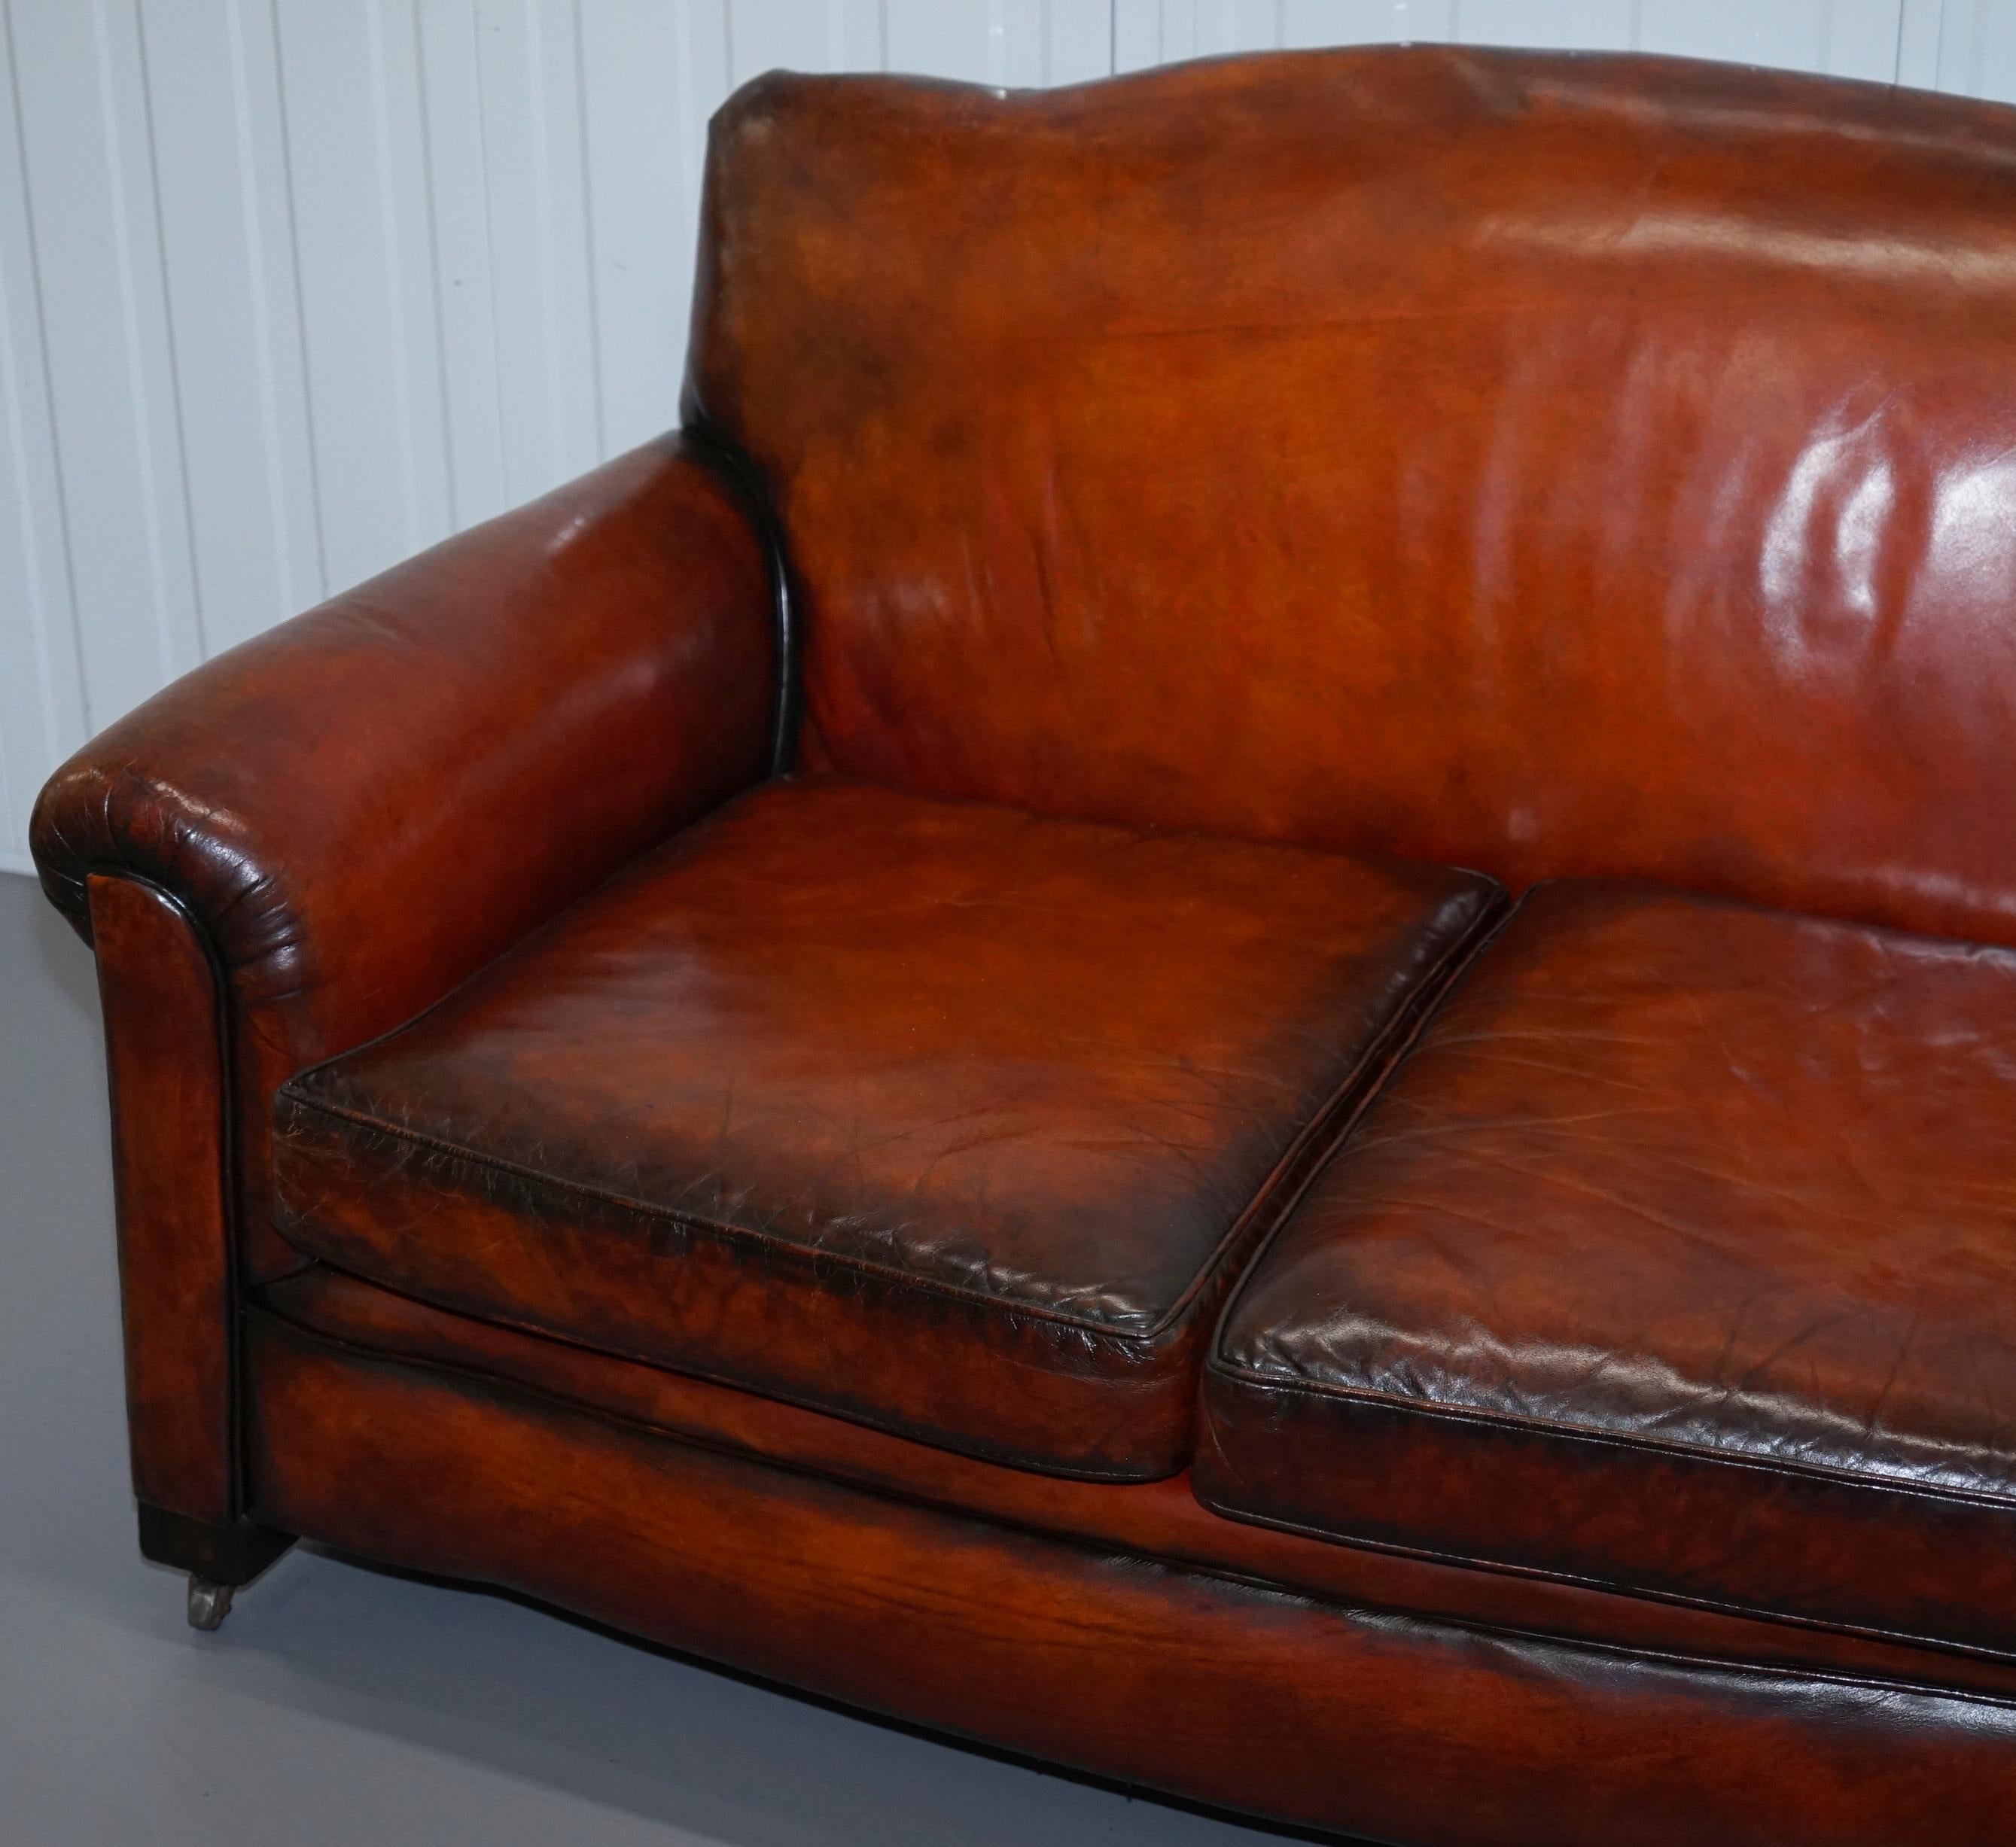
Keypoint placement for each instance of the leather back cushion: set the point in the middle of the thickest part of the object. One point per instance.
(1548, 464)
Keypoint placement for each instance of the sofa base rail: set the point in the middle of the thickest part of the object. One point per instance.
(227, 1552)
(1389, 1726)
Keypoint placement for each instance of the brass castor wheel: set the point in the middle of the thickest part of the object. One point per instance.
(209, 1603)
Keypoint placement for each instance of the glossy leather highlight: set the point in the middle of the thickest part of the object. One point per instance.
(1676, 1257)
(942, 1116)
(1216, 501)
(1550, 464)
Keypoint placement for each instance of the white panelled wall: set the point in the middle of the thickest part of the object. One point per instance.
(290, 288)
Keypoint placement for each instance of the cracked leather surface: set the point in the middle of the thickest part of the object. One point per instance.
(1681, 1254)
(949, 1117)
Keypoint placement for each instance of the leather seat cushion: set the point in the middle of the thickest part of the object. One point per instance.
(1678, 1257)
(946, 1118)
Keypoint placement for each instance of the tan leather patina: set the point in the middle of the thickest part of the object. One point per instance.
(1227, 994)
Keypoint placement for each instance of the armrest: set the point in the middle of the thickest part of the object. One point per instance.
(361, 806)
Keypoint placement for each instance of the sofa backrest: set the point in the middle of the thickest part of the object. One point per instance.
(1550, 464)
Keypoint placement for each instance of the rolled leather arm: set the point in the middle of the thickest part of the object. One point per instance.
(360, 807)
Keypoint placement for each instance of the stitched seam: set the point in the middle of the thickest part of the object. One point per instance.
(1462, 957)
(733, 1236)
(1236, 1374)
(1613, 1587)
(1373, 1614)
(1023, 1461)
(1403, 1022)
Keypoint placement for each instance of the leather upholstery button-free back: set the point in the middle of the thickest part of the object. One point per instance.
(941, 1116)
(1159, 526)
(1680, 1256)
(1546, 464)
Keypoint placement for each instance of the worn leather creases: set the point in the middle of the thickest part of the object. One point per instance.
(1064, 1216)
(846, 1071)
(1676, 1257)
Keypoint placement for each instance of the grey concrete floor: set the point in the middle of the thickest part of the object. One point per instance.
(340, 1704)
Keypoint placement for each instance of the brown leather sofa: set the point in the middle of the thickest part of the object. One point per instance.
(1228, 994)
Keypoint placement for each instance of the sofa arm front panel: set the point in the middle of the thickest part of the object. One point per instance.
(360, 807)
(165, 1067)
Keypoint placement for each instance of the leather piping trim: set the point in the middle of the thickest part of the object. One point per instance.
(1273, 1190)
(734, 467)
(1026, 1461)
(1490, 924)
(1327, 1130)
(400, 1355)
(1383, 1615)
(1610, 1586)
(1247, 1377)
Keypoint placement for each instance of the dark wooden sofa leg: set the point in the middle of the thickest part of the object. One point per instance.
(219, 1557)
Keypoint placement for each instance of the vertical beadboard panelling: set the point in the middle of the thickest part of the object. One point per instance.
(542, 271)
(1962, 46)
(1848, 37)
(1995, 71)
(651, 74)
(970, 42)
(1160, 31)
(458, 207)
(1144, 33)
(357, 164)
(1017, 43)
(1788, 31)
(1918, 42)
(1862, 38)
(1076, 38)
(799, 35)
(41, 696)
(227, 248)
(1549, 25)
(1147, 32)
(1308, 22)
(1977, 49)
(85, 124)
